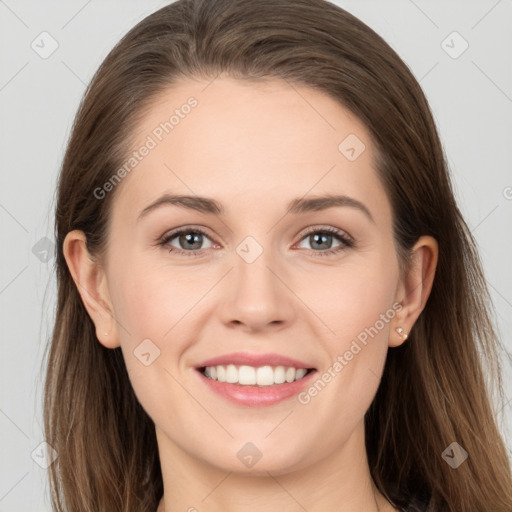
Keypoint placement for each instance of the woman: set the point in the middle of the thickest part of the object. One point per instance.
(323, 342)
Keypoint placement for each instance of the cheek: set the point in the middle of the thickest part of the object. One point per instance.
(150, 300)
(153, 305)
(359, 309)
(156, 306)
(358, 295)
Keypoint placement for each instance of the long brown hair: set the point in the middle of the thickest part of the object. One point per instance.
(437, 388)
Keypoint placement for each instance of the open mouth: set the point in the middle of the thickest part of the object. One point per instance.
(245, 375)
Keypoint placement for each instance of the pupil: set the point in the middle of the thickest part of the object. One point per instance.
(189, 239)
(323, 237)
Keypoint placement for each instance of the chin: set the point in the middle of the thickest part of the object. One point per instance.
(249, 460)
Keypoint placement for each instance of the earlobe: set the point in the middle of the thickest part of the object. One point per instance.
(90, 280)
(404, 335)
(415, 288)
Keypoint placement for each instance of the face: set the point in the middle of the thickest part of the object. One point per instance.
(269, 279)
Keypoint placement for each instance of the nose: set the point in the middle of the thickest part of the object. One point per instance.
(256, 295)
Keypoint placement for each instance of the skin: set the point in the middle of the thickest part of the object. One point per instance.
(253, 147)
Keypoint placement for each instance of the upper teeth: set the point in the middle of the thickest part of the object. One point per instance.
(248, 375)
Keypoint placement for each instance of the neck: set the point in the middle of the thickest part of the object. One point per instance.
(341, 483)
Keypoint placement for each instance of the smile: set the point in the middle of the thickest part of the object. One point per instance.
(245, 375)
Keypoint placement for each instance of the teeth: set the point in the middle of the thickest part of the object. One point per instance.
(221, 373)
(250, 376)
(265, 376)
(231, 374)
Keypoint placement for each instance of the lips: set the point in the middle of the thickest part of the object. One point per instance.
(255, 379)
(255, 395)
(256, 360)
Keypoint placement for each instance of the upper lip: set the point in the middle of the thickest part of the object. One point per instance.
(256, 360)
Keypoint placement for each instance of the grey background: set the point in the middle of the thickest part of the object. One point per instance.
(471, 97)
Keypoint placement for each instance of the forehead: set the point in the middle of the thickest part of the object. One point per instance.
(268, 142)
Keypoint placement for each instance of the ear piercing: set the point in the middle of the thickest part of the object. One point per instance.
(401, 332)
(107, 333)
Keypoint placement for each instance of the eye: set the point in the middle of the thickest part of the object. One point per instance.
(186, 239)
(322, 239)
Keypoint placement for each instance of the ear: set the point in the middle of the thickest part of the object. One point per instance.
(91, 282)
(414, 288)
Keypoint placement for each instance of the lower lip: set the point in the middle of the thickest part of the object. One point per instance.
(257, 396)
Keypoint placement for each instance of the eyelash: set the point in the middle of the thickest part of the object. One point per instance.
(346, 241)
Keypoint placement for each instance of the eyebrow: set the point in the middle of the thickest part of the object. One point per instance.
(295, 207)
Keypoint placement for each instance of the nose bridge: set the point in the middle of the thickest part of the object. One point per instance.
(257, 295)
